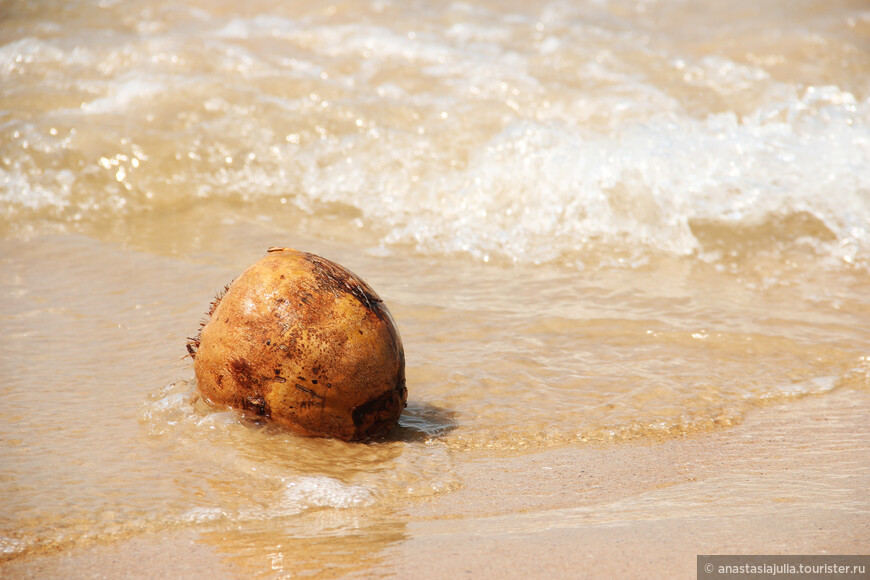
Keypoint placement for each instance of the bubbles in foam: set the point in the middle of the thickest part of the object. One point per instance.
(124, 94)
(17, 55)
(324, 492)
(534, 137)
(536, 190)
(233, 471)
(289, 473)
(10, 546)
(202, 515)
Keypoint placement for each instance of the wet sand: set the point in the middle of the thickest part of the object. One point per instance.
(791, 479)
(626, 245)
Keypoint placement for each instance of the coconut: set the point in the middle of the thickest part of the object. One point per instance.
(302, 341)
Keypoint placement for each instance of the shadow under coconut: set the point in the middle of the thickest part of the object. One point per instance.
(422, 421)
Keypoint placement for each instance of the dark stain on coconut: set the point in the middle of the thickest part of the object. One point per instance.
(310, 392)
(243, 373)
(376, 416)
(333, 278)
(256, 405)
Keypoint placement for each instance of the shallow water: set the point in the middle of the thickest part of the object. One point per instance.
(593, 222)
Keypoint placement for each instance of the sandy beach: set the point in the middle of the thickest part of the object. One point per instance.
(791, 479)
(626, 245)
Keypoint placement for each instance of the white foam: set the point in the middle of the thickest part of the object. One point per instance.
(9, 546)
(323, 492)
(532, 140)
(538, 190)
(18, 189)
(202, 515)
(260, 26)
(123, 94)
(26, 51)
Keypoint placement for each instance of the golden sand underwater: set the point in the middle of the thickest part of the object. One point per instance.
(625, 245)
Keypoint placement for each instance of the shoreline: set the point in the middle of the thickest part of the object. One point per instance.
(790, 479)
